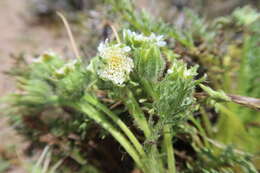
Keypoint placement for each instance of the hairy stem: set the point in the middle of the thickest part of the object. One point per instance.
(166, 130)
(137, 113)
(169, 149)
(148, 88)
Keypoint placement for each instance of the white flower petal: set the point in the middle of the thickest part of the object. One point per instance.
(117, 64)
(161, 43)
(126, 49)
(169, 71)
(158, 40)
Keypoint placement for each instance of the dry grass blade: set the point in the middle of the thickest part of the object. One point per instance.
(250, 102)
(72, 40)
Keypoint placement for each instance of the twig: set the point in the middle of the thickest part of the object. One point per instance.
(250, 102)
(246, 101)
(116, 104)
(71, 37)
(115, 32)
(223, 146)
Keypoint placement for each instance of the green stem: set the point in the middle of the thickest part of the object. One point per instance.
(169, 148)
(118, 121)
(137, 112)
(224, 110)
(201, 130)
(101, 120)
(149, 89)
(206, 121)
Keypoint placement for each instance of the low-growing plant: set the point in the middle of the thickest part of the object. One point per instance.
(145, 95)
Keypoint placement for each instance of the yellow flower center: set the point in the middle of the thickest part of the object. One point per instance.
(115, 62)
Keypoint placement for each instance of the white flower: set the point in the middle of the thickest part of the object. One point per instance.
(158, 40)
(169, 71)
(116, 65)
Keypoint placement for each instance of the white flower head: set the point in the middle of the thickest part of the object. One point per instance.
(117, 65)
(158, 40)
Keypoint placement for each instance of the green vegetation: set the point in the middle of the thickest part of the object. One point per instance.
(161, 96)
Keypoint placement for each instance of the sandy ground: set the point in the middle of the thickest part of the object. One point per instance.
(19, 34)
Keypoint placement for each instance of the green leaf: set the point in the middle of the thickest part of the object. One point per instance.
(149, 63)
(73, 85)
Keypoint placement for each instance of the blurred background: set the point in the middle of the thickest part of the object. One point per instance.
(29, 27)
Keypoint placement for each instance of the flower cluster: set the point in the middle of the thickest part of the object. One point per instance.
(116, 64)
(158, 40)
